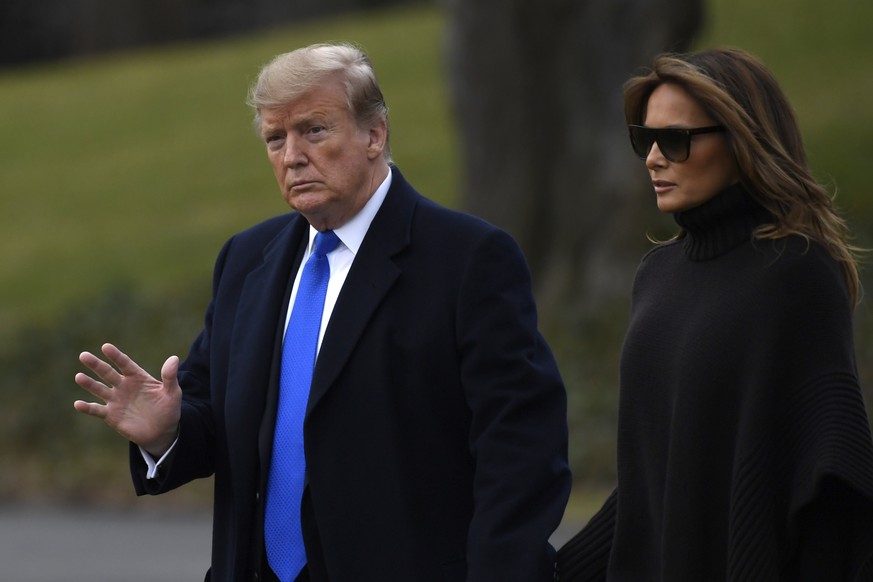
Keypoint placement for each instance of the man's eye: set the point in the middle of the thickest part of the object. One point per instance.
(274, 141)
(316, 129)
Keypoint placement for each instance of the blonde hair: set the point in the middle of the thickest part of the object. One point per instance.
(739, 92)
(289, 75)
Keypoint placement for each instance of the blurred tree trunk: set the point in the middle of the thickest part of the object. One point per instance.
(544, 153)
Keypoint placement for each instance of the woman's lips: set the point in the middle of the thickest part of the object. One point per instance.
(662, 186)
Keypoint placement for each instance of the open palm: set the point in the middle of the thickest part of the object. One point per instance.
(142, 409)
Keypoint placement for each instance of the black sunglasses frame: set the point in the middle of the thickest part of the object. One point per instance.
(674, 142)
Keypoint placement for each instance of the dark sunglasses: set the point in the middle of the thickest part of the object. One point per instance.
(674, 143)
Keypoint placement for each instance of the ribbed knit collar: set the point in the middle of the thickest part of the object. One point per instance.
(720, 224)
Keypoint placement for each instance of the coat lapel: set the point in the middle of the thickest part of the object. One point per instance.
(372, 274)
(262, 304)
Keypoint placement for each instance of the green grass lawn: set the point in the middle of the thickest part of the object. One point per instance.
(135, 168)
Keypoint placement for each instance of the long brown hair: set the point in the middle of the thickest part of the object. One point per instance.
(740, 93)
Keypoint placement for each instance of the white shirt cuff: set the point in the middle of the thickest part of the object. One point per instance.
(153, 465)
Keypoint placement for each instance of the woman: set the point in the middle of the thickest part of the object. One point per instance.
(744, 449)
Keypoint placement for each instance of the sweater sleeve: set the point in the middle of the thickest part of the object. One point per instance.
(833, 536)
(807, 453)
(585, 557)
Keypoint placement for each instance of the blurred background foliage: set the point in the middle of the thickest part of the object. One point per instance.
(121, 175)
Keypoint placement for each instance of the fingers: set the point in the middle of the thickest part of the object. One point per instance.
(90, 408)
(103, 370)
(170, 371)
(113, 376)
(98, 389)
(126, 365)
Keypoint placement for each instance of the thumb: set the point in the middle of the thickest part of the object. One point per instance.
(170, 371)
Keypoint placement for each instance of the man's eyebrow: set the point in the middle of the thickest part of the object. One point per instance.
(267, 128)
(300, 121)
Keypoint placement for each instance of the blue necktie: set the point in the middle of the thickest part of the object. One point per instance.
(282, 533)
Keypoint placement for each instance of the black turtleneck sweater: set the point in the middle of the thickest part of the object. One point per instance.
(744, 450)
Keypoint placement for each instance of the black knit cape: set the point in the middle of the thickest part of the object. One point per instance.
(744, 448)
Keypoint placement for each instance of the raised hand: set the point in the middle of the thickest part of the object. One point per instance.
(140, 408)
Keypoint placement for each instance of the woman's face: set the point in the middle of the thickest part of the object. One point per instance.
(710, 167)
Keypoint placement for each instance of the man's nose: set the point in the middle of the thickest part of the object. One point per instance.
(295, 152)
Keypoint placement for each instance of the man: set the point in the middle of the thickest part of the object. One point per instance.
(431, 431)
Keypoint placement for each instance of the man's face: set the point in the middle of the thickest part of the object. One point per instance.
(326, 166)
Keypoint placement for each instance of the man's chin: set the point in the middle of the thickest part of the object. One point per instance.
(315, 213)
(306, 201)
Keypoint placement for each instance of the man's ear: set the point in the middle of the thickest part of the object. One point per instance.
(378, 135)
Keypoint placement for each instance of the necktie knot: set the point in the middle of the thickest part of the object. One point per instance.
(325, 242)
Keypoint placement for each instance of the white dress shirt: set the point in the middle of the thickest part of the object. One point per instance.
(351, 235)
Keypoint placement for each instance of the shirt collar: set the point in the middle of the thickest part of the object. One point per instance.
(352, 233)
